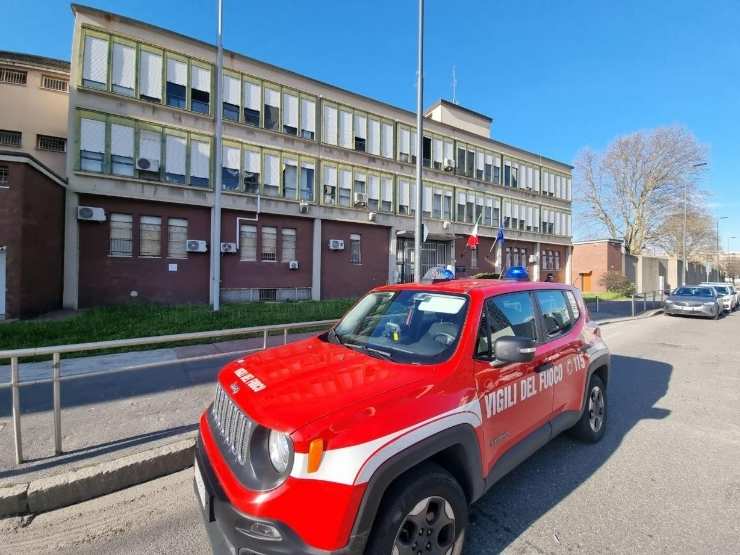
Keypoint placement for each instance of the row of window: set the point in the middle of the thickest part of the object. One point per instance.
(10, 76)
(43, 142)
(4, 176)
(110, 63)
(268, 243)
(150, 236)
(181, 158)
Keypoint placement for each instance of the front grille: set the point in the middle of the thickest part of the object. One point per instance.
(234, 426)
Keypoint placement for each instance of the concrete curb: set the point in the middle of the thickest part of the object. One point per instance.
(648, 314)
(54, 492)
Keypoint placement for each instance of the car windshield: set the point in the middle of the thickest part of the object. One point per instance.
(694, 292)
(722, 290)
(404, 326)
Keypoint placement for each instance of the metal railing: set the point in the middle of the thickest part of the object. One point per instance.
(57, 378)
(638, 302)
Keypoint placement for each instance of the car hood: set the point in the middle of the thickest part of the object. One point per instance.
(303, 381)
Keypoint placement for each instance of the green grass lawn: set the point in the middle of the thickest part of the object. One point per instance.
(144, 320)
(605, 296)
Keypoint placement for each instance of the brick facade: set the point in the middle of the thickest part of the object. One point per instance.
(32, 232)
(591, 260)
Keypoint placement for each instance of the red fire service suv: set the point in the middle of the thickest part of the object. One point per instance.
(376, 436)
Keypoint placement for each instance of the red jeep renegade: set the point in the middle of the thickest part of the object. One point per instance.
(376, 436)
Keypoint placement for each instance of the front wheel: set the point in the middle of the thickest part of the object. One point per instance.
(717, 313)
(592, 424)
(424, 511)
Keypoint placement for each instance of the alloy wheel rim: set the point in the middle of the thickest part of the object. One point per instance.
(596, 409)
(428, 529)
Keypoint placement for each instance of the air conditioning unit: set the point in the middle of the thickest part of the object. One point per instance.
(446, 224)
(449, 164)
(228, 247)
(371, 216)
(303, 207)
(328, 189)
(360, 199)
(336, 244)
(147, 165)
(532, 258)
(293, 265)
(194, 245)
(90, 214)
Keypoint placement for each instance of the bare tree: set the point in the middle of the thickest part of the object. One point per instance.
(700, 234)
(637, 181)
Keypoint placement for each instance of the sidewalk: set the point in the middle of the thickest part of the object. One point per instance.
(619, 309)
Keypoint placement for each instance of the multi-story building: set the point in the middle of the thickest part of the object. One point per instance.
(33, 131)
(318, 181)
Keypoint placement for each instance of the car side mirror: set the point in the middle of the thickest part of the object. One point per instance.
(514, 349)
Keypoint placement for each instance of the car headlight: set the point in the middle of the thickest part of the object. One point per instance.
(710, 304)
(281, 449)
(668, 301)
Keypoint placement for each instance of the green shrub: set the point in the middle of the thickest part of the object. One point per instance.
(617, 282)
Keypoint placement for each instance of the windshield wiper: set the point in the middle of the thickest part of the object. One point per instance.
(370, 351)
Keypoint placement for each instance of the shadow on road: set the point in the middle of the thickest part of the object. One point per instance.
(97, 450)
(554, 472)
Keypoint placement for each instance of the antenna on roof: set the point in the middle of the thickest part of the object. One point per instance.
(454, 86)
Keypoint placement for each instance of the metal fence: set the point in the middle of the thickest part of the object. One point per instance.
(55, 352)
(630, 306)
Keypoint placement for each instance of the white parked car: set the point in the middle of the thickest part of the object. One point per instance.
(728, 297)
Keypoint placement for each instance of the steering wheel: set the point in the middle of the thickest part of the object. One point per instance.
(444, 338)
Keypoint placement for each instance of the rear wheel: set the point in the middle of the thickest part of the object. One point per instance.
(592, 424)
(424, 511)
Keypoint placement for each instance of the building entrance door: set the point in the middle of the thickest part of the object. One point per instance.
(433, 253)
(2, 283)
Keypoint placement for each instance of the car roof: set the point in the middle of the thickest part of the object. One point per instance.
(485, 287)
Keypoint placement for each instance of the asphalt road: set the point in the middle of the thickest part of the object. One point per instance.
(665, 478)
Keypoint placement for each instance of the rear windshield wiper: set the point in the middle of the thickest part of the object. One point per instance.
(333, 334)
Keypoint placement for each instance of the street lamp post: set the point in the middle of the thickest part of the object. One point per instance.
(685, 201)
(718, 220)
(418, 225)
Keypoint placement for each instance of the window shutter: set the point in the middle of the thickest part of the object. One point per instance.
(373, 187)
(272, 170)
(507, 208)
(497, 160)
(232, 157)
(95, 62)
(330, 125)
(345, 179)
(413, 143)
(387, 139)
(201, 78)
(251, 96)
(150, 74)
(330, 176)
(252, 161)
(121, 140)
(150, 145)
(427, 201)
(373, 134)
(461, 197)
(175, 149)
(404, 140)
(232, 92)
(290, 110)
(345, 129)
(479, 160)
(403, 192)
(536, 186)
(437, 150)
(360, 126)
(200, 154)
(387, 187)
(272, 98)
(124, 58)
(308, 115)
(489, 159)
(92, 135)
(569, 191)
(177, 72)
(449, 151)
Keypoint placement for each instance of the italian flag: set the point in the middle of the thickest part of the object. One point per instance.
(472, 242)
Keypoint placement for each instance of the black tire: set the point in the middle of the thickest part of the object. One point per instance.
(402, 520)
(717, 314)
(591, 426)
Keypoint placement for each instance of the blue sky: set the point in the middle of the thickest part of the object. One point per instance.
(555, 75)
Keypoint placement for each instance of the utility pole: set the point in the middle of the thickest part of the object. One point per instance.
(718, 220)
(216, 211)
(418, 225)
